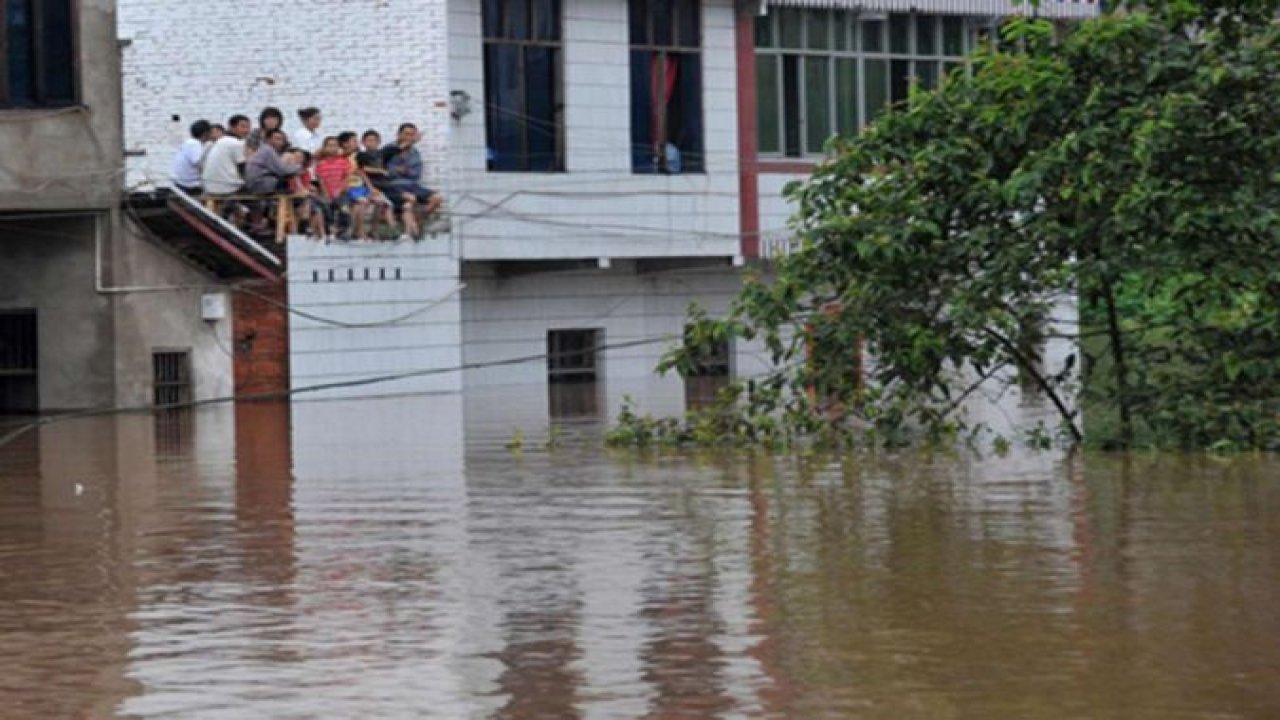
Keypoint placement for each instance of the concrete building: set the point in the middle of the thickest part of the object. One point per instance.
(605, 162)
(95, 309)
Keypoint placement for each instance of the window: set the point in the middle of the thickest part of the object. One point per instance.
(523, 86)
(572, 354)
(820, 72)
(666, 86)
(36, 42)
(171, 377)
(19, 361)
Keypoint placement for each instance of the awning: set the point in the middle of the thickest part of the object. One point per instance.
(179, 221)
(997, 8)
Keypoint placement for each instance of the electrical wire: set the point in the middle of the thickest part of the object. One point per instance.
(321, 387)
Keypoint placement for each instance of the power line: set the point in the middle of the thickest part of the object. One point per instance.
(321, 387)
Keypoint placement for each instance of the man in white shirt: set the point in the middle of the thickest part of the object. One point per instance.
(221, 173)
(307, 137)
(185, 172)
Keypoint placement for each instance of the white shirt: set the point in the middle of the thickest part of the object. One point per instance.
(306, 139)
(220, 172)
(185, 170)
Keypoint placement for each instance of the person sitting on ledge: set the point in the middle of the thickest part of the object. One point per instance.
(403, 185)
(185, 170)
(266, 172)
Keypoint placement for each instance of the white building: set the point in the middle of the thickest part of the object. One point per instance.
(605, 162)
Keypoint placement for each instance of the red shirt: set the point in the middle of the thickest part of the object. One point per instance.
(332, 172)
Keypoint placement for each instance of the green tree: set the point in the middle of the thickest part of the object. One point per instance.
(1129, 160)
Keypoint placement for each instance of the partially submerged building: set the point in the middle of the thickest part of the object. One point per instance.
(605, 162)
(96, 308)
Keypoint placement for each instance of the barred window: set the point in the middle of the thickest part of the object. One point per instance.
(821, 73)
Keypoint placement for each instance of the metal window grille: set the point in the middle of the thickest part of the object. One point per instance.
(820, 72)
(171, 372)
(572, 355)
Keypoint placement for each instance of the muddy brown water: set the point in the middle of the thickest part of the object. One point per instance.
(417, 557)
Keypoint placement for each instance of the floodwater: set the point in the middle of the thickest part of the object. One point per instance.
(449, 558)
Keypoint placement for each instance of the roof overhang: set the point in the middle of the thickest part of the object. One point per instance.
(1056, 9)
(181, 223)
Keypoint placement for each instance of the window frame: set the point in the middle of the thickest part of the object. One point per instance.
(853, 25)
(662, 51)
(39, 58)
(556, 46)
(183, 386)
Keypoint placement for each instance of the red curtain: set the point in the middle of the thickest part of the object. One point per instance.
(661, 87)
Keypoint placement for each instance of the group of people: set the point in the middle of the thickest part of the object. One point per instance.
(342, 185)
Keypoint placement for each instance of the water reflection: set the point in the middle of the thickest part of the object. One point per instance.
(395, 557)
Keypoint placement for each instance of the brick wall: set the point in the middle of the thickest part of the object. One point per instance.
(364, 63)
(260, 333)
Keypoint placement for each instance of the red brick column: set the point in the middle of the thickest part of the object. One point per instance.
(260, 338)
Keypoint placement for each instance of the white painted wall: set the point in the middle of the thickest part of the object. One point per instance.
(509, 318)
(775, 212)
(597, 207)
(214, 59)
(410, 324)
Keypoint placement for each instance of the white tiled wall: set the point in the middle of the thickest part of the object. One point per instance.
(597, 207)
(509, 317)
(407, 325)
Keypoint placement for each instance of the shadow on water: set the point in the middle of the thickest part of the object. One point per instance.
(373, 558)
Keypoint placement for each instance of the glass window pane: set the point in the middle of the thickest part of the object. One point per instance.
(899, 33)
(764, 31)
(20, 60)
(840, 30)
(59, 78)
(819, 35)
(767, 97)
(688, 26)
(952, 35)
(926, 35)
(492, 18)
(949, 67)
(517, 20)
(817, 97)
(873, 36)
(547, 17)
(662, 21)
(540, 99)
(684, 113)
(503, 107)
(790, 28)
(642, 130)
(899, 80)
(876, 89)
(846, 96)
(639, 21)
(927, 72)
(791, 105)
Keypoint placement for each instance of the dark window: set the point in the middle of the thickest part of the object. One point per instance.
(711, 362)
(19, 361)
(523, 85)
(666, 86)
(171, 374)
(572, 355)
(38, 48)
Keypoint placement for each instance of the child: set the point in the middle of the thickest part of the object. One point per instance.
(309, 207)
(375, 173)
(333, 171)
